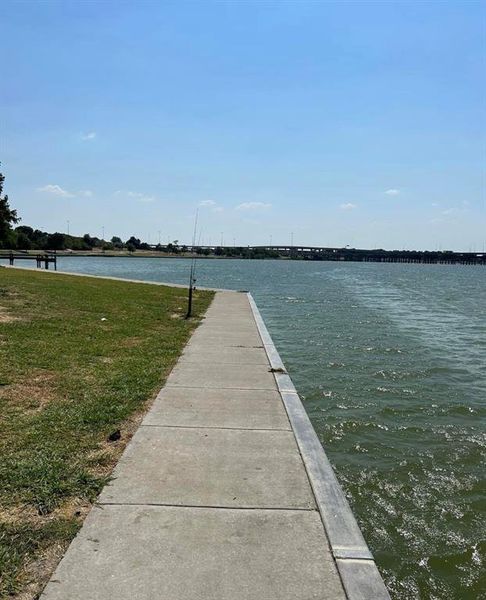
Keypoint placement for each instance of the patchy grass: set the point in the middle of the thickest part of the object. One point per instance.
(79, 359)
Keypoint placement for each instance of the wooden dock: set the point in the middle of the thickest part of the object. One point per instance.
(43, 259)
(224, 492)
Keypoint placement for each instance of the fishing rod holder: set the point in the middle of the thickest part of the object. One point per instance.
(192, 281)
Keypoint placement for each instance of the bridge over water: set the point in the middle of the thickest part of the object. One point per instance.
(341, 254)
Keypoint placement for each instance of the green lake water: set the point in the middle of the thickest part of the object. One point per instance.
(390, 360)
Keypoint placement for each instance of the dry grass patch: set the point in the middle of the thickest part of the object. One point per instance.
(32, 393)
(6, 317)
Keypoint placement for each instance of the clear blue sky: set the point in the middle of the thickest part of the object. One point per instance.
(359, 123)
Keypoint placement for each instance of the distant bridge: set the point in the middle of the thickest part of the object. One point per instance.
(344, 254)
(362, 255)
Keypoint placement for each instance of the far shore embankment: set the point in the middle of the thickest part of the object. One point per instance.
(313, 253)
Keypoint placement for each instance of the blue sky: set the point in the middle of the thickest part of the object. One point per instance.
(359, 123)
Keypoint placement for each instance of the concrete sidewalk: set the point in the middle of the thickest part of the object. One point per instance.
(211, 499)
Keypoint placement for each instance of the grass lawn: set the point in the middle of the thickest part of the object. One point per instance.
(80, 358)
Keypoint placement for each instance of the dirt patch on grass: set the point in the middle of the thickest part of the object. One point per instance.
(14, 303)
(33, 393)
(36, 572)
(18, 514)
(6, 317)
(131, 342)
(106, 360)
(72, 508)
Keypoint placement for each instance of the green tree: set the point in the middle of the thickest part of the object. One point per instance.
(89, 241)
(133, 242)
(55, 241)
(26, 230)
(117, 242)
(23, 241)
(8, 217)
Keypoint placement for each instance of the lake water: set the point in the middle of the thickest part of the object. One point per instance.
(390, 360)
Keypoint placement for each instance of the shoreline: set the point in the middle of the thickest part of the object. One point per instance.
(297, 253)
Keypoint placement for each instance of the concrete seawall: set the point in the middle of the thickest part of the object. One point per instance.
(224, 492)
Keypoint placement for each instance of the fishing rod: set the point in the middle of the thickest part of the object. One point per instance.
(192, 278)
(194, 256)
